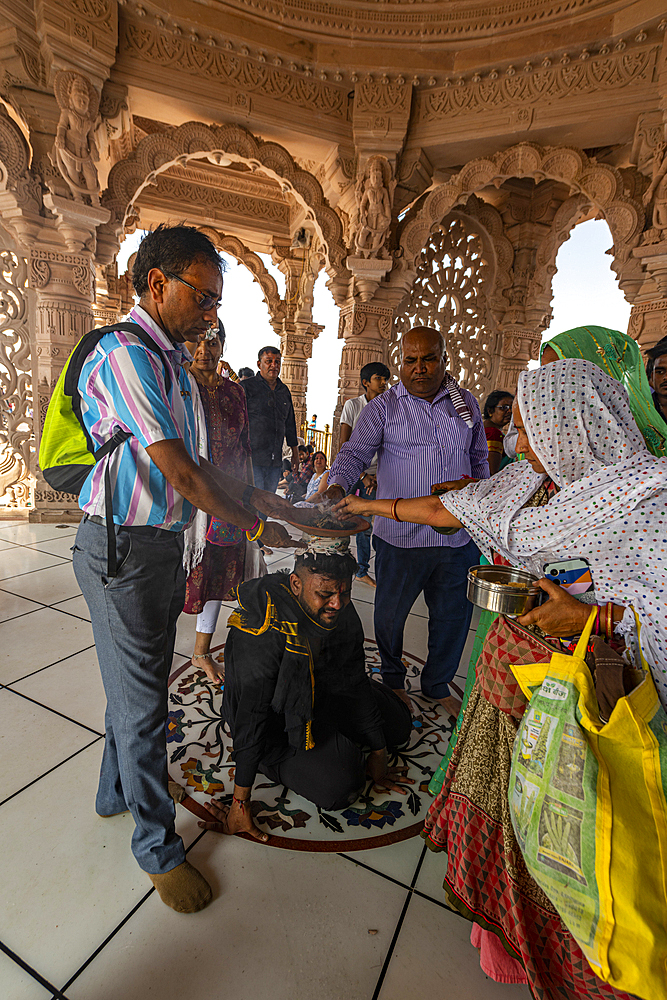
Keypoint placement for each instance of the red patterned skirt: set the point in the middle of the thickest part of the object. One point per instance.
(216, 577)
(486, 878)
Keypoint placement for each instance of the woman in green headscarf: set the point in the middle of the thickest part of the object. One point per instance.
(618, 355)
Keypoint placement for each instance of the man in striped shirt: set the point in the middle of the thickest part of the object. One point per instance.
(425, 430)
(157, 479)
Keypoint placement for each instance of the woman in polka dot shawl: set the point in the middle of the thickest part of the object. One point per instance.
(611, 508)
(607, 504)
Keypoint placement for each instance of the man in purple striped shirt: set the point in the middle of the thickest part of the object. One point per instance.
(425, 430)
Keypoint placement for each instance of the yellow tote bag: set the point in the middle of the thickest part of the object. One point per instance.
(589, 809)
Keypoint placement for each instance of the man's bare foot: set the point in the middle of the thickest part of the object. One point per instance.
(451, 705)
(366, 579)
(403, 695)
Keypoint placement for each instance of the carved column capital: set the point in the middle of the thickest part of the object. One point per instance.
(648, 323)
(369, 320)
(380, 116)
(79, 34)
(518, 346)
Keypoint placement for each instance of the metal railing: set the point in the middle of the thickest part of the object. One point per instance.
(320, 440)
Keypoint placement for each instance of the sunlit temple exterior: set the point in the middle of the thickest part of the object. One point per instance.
(431, 156)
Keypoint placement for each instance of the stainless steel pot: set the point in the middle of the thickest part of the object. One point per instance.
(488, 588)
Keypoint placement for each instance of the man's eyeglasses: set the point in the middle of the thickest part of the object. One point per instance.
(205, 301)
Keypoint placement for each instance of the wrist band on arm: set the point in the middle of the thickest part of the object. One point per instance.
(393, 509)
(241, 802)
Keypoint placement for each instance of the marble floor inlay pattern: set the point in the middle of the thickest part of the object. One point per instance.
(358, 914)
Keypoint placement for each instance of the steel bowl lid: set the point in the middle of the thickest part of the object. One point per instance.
(477, 574)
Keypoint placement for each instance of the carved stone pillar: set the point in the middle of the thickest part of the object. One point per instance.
(518, 346)
(300, 265)
(114, 295)
(646, 286)
(16, 400)
(64, 286)
(296, 345)
(648, 319)
(365, 328)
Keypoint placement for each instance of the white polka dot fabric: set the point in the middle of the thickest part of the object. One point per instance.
(612, 505)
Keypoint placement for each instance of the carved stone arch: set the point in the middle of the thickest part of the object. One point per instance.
(158, 152)
(20, 191)
(569, 214)
(599, 183)
(460, 276)
(237, 249)
(491, 223)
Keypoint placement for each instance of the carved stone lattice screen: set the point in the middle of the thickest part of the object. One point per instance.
(16, 400)
(449, 293)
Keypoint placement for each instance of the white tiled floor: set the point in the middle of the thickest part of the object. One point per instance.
(81, 915)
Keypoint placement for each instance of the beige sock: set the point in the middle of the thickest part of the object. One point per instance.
(183, 888)
(177, 791)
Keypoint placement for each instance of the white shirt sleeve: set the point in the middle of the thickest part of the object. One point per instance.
(347, 413)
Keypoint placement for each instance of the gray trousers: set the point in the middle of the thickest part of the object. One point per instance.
(134, 624)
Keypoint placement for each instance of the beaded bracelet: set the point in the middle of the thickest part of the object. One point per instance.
(393, 509)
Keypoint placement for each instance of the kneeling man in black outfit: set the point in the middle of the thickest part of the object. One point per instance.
(297, 699)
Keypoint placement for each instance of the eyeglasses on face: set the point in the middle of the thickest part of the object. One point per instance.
(205, 300)
(504, 406)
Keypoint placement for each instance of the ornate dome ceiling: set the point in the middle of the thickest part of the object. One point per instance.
(422, 21)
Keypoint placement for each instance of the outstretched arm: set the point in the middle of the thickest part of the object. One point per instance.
(209, 489)
(420, 510)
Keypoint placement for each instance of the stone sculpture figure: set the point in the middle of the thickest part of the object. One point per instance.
(374, 210)
(75, 149)
(657, 190)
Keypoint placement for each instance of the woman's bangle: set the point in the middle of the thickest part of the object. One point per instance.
(596, 627)
(253, 535)
(393, 509)
(610, 620)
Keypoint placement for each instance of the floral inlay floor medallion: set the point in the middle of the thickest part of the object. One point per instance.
(199, 758)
